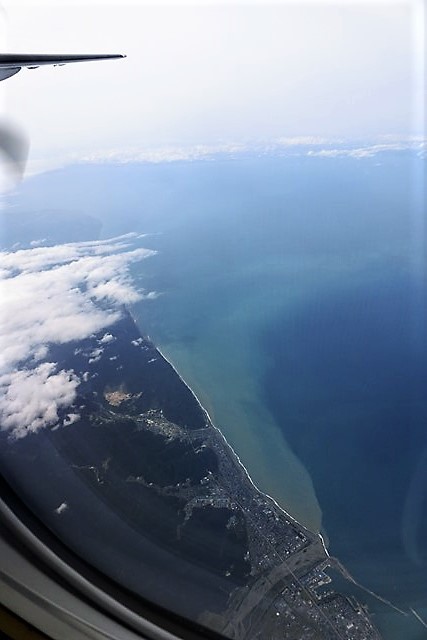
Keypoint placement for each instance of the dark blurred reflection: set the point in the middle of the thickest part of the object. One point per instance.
(14, 146)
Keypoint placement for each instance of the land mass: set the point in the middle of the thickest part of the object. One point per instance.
(142, 444)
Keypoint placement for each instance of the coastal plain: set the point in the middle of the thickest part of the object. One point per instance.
(146, 450)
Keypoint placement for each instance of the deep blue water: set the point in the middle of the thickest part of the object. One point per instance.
(294, 303)
(348, 387)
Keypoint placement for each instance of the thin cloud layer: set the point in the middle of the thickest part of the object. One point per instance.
(162, 154)
(31, 398)
(54, 295)
(294, 145)
(418, 145)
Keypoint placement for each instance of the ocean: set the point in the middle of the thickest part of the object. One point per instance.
(292, 300)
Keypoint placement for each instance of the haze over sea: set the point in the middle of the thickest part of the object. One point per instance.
(293, 302)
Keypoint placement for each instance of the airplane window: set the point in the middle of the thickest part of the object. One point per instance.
(213, 305)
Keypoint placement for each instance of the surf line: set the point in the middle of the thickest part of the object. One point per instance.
(333, 560)
(206, 412)
(419, 618)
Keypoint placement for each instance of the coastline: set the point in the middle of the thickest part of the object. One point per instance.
(231, 394)
(237, 458)
(288, 561)
(202, 398)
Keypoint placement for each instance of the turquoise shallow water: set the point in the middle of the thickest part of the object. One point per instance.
(292, 300)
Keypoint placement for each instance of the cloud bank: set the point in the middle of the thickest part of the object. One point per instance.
(31, 398)
(303, 145)
(417, 145)
(291, 145)
(54, 295)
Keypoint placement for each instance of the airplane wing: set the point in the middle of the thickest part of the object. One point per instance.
(13, 62)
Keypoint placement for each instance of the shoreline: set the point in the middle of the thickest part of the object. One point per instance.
(237, 458)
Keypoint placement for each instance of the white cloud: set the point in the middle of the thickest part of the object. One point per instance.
(302, 140)
(106, 338)
(54, 295)
(158, 155)
(416, 143)
(30, 399)
(95, 355)
(138, 342)
(38, 258)
(62, 507)
(151, 295)
(285, 145)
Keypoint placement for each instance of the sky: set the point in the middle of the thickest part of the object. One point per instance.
(215, 74)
